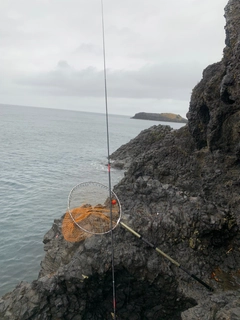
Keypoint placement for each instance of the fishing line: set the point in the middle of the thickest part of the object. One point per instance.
(108, 156)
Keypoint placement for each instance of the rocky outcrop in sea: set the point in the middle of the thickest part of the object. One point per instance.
(168, 117)
(181, 192)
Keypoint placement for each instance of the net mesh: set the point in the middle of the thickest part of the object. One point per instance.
(71, 232)
(80, 221)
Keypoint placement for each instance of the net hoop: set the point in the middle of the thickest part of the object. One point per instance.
(78, 189)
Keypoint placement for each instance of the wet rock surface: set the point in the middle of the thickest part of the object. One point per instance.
(181, 192)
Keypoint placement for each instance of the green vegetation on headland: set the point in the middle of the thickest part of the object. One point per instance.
(169, 117)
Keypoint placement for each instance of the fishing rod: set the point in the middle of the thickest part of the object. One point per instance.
(139, 236)
(108, 157)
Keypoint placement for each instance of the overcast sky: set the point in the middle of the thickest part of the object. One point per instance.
(51, 53)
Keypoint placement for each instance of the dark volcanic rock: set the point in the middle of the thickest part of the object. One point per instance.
(214, 111)
(181, 192)
(123, 156)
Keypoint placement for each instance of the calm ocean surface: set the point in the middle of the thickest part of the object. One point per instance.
(43, 154)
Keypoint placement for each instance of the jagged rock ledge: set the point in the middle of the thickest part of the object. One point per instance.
(123, 156)
(165, 117)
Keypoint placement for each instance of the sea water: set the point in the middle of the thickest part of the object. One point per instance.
(44, 153)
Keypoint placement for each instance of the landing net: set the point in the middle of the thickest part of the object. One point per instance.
(91, 210)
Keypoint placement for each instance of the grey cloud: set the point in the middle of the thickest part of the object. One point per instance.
(89, 49)
(163, 81)
(63, 64)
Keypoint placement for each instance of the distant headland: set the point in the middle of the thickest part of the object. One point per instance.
(169, 117)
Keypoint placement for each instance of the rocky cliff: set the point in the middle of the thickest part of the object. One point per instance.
(214, 108)
(181, 191)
